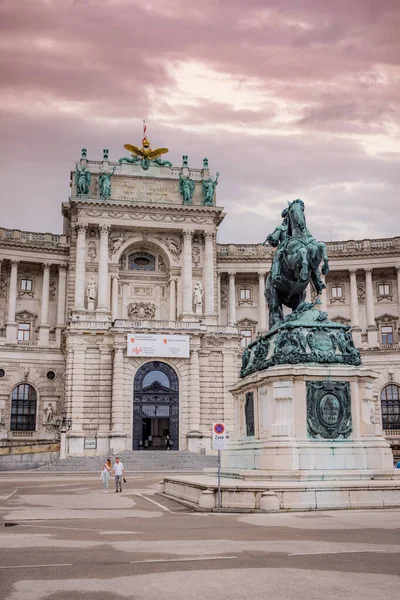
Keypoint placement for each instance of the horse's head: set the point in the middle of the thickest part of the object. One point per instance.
(296, 217)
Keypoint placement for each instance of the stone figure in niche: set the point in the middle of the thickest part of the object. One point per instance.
(52, 290)
(208, 189)
(105, 184)
(48, 414)
(91, 292)
(196, 255)
(82, 180)
(198, 295)
(186, 189)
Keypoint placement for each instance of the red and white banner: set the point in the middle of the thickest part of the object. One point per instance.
(158, 346)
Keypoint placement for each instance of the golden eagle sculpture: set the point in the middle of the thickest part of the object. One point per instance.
(145, 155)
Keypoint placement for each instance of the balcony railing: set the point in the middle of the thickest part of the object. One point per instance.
(32, 237)
(394, 346)
(148, 325)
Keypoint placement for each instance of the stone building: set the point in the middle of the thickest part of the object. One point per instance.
(138, 254)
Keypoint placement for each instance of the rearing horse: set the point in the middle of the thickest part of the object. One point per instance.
(299, 255)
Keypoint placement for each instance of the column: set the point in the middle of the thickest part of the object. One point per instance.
(62, 286)
(323, 297)
(354, 313)
(219, 298)
(232, 299)
(262, 309)
(80, 267)
(398, 291)
(372, 329)
(11, 326)
(187, 275)
(209, 273)
(194, 435)
(172, 299)
(117, 443)
(114, 296)
(102, 304)
(44, 326)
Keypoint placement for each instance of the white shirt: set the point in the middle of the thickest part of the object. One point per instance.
(118, 468)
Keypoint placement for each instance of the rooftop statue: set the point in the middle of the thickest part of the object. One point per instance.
(105, 184)
(145, 155)
(82, 180)
(186, 189)
(208, 189)
(295, 263)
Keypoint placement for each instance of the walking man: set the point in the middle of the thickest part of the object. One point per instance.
(118, 470)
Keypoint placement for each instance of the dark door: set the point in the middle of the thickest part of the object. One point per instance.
(155, 407)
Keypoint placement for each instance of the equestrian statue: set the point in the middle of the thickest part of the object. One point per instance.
(296, 262)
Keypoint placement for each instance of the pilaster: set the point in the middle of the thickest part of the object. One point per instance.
(80, 267)
(232, 298)
(44, 327)
(369, 301)
(102, 311)
(262, 308)
(11, 326)
(187, 276)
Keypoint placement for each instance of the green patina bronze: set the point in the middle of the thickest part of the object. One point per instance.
(208, 189)
(328, 409)
(186, 189)
(295, 263)
(82, 180)
(305, 336)
(105, 184)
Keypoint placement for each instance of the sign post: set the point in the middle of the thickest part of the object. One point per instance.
(219, 443)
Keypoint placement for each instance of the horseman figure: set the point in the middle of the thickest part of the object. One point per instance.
(296, 262)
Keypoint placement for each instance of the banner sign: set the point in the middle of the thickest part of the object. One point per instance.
(158, 346)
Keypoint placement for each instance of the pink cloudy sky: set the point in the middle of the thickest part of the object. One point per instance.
(287, 98)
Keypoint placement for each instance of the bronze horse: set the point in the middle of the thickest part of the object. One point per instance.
(296, 262)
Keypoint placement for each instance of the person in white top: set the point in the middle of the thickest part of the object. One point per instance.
(118, 470)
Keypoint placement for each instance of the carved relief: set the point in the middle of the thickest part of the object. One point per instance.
(161, 265)
(3, 287)
(92, 251)
(141, 310)
(224, 295)
(361, 293)
(52, 290)
(122, 262)
(115, 242)
(136, 290)
(173, 244)
(196, 256)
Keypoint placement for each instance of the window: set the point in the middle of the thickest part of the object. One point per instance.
(24, 332)
(26, 285)
(246, 337)
(141, 261)
(50, 375)
(245, 294)
(384, 289)
(154, 376)
(390, 404)
(23, 408)
(387, 334)
(337, 291)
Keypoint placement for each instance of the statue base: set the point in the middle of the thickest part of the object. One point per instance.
(306, 438)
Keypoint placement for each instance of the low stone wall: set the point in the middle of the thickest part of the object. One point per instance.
(19, 456)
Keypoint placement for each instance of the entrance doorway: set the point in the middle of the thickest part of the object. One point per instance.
(155, 407)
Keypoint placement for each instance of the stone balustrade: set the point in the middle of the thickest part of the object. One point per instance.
(130, 324)
(32, 237)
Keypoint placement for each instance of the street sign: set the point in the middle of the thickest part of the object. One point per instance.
(219, 436)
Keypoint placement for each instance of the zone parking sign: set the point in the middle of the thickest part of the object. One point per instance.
(219, 436)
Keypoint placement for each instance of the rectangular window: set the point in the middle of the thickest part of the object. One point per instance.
(384, 289)
(26, 285)
(387, 334)
(24, 332)
(246, 337)
(245, 294)
(337, 291)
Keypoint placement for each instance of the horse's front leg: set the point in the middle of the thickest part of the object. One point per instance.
(274, 306)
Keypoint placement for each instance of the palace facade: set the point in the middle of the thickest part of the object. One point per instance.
(141, 257)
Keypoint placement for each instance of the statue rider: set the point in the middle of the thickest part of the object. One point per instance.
(276, 240)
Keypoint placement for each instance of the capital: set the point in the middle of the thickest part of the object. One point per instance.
(187, 234)
(353, 272)
(46, 266)
(209, 236)
(398, 269)
(232, 274)
(261, 275)
(14, 263)
(368, 270)
(62, 268)
(104, 229)
(81, 228)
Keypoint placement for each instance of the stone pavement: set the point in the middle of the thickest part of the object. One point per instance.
(146, 460)
(63, 538)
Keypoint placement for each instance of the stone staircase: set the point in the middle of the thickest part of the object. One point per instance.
(145, 460)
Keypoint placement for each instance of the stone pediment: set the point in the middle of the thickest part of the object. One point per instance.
(25, 315)
(341, 319)
(246, 322)
(386, 318)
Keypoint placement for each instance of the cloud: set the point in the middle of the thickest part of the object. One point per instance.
(286, 99)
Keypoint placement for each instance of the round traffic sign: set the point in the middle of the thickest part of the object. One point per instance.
(219, 428)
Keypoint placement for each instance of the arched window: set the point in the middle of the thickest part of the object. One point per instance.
(156, 376)
(23, 408)
(390, 403)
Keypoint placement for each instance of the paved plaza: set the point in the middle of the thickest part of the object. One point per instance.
(62, 537)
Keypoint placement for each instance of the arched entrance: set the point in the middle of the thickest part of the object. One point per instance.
(155, 406)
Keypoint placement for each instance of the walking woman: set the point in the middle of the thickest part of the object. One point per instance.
(105, 475)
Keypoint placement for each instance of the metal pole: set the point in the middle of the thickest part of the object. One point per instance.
(219, 481)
